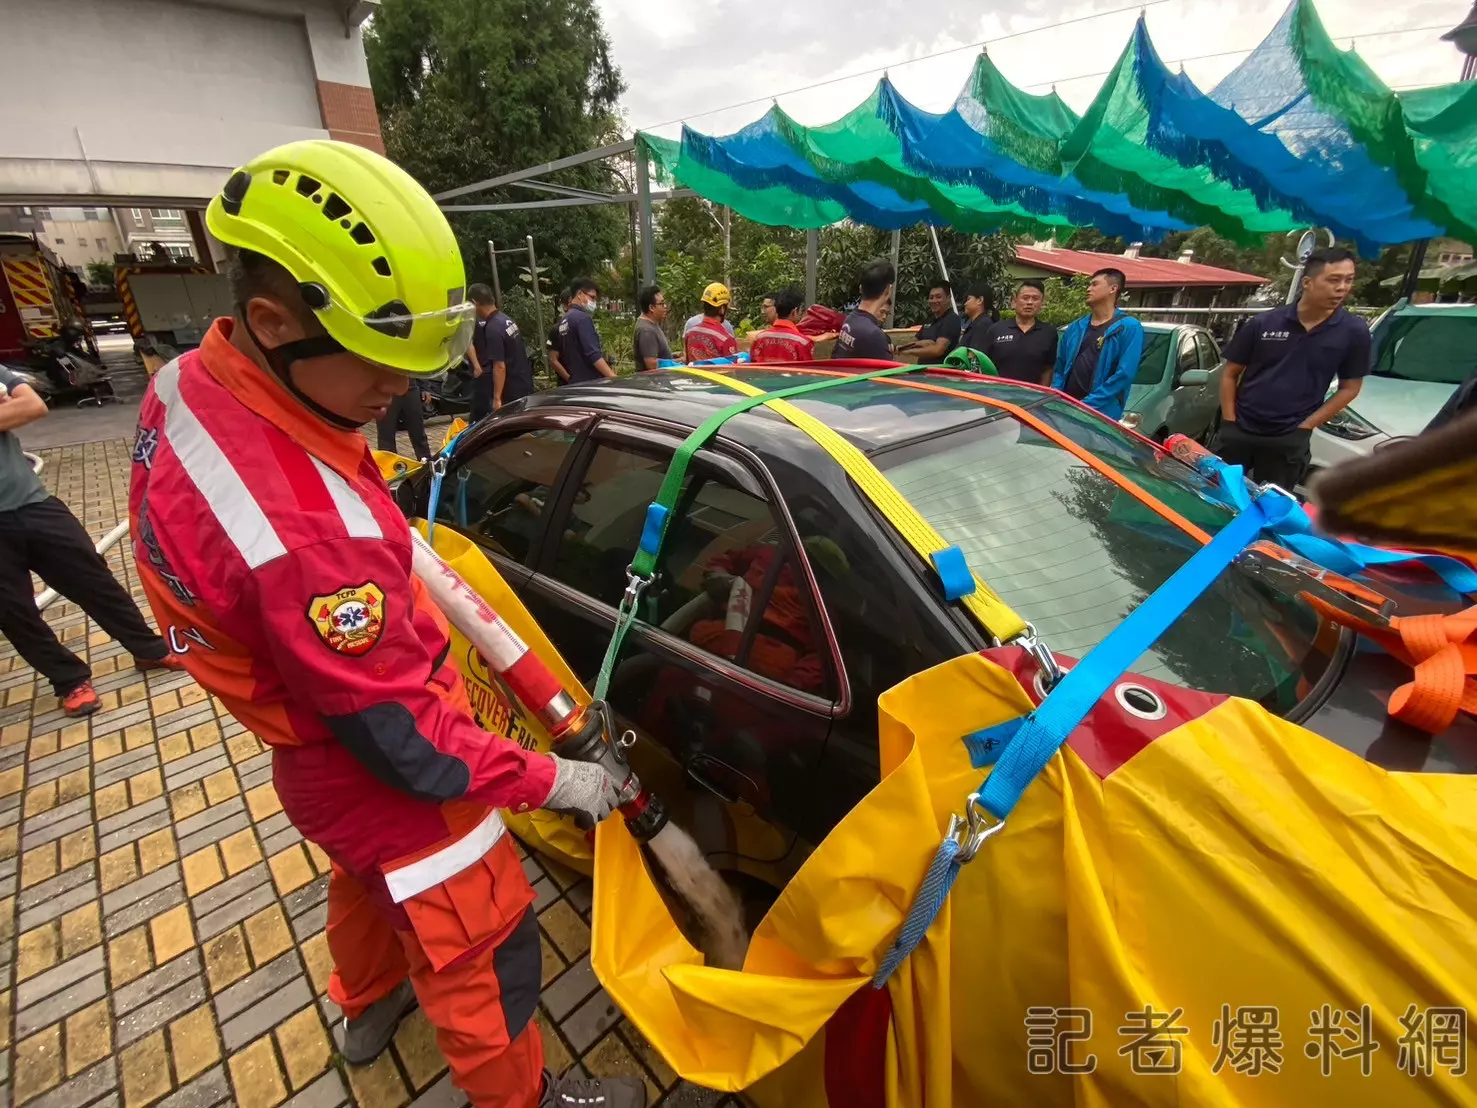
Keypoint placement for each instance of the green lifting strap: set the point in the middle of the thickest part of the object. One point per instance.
(643, 565)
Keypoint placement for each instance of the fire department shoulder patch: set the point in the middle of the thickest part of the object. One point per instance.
(351, 619)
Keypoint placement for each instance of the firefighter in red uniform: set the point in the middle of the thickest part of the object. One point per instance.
(711, 338)
(782, 340)
(278, 567)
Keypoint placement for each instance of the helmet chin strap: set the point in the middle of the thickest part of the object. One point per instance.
(280, 359)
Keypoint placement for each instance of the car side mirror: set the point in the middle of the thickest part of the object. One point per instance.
(1194, 377)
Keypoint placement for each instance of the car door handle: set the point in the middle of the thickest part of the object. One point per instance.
(700, 770)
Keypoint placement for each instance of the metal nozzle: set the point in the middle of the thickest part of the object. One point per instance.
(592, 738)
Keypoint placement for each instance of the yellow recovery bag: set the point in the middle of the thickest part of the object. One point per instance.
(1214, 907)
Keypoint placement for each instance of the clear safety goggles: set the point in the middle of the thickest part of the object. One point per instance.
(456, 322)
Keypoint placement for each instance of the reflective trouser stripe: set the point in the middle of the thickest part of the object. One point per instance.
(406, 881)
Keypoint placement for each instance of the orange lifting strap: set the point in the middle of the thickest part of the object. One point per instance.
(1442, 653)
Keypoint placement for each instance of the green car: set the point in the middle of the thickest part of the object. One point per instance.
(1177, 387)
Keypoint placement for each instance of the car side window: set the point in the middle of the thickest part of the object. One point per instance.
(1187, 359)
(1210, 355)
(725, 582)
(883, 636)
(1151, 361)
(498, 495)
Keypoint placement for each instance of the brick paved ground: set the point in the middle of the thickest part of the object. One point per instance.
(161, 932)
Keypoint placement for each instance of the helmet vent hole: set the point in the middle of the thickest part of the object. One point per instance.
(362, 234)
(381, 266)
(279, 176)
(334, 207)
(306, 186)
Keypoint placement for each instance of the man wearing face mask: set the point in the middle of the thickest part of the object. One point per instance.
(279, 568)
(579, 343)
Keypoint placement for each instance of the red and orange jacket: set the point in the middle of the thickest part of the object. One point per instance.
(279, 567)
(782, 342)
(709, 339)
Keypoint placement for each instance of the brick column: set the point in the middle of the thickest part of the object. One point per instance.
(349, 114)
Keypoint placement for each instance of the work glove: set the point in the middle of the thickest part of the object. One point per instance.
(583, 790)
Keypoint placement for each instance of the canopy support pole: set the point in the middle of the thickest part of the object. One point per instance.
(611, 151)
(538, 300)
(812, 254)
(497, 285)
(643, 211)
(727, 275)
(938, 252)
(1413, 271)
(897, 252)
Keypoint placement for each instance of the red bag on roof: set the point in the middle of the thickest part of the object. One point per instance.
(819, 320)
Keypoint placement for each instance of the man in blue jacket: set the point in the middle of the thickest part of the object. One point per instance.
(1098, 355)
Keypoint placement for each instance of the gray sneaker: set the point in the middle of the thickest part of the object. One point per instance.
(366, 1037)
(572, 1091)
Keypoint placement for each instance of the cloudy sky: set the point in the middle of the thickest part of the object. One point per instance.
(682, 59)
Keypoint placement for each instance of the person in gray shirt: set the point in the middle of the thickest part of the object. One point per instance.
(38, 532)
(651, 340)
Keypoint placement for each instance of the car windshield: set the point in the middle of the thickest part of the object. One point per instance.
(1073, 553)
(1441, 349)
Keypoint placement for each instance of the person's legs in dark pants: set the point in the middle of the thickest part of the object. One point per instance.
(413, 413)
(1267, 459)
(1283, 459)
(405, 409)
(384, 429)
(20, 620)
(63, 555)
(481, 396)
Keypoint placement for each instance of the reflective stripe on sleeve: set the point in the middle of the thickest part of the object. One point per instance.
(358, 520)
(222, 488)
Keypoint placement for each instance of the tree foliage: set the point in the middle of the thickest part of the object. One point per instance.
(763, 260)
(469, 89)
(1264, 259)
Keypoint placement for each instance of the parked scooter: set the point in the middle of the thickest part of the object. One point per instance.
(451, 395)
(69, 369)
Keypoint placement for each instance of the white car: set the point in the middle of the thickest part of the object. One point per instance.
(1421, 354)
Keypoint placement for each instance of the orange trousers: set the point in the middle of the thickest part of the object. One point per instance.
(465, 1001)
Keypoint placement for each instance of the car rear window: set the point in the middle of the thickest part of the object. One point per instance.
(1435, 348)
(1073, 553)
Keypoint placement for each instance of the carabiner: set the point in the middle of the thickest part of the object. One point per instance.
(1049, 671)
(982, 825)
(635, 585)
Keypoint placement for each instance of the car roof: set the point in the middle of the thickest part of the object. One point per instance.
(873, 415)
(1435, 309)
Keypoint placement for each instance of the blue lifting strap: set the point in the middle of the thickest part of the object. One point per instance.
(1298, 533)
(1020, 748)
(438, 473)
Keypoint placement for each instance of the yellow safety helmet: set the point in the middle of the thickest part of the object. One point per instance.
(372, 253)
(716, 294)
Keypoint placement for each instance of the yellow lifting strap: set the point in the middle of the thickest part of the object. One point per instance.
(994, 614)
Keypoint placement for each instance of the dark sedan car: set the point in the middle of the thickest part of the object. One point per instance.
(784, 603)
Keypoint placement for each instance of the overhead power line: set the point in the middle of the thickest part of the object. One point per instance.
(1233, 53)
(985, 43)
(910, 61)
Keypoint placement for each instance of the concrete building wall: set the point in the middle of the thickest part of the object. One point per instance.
(160, 99)
(79, 236)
